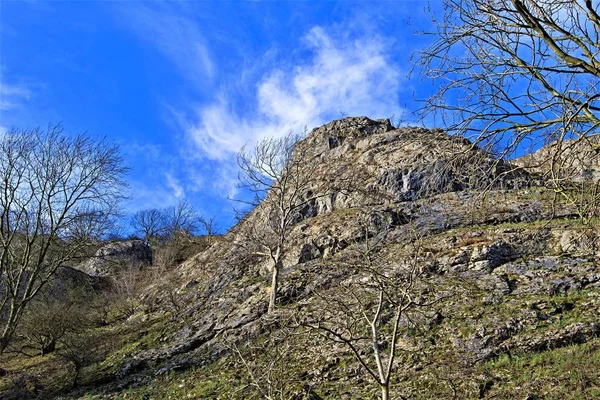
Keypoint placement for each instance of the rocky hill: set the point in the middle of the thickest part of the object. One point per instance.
(503, 283)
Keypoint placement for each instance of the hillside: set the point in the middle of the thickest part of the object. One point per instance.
(503, 281)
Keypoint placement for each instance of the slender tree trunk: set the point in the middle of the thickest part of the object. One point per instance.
(9, 328)
(274, 286)
(76, 373)
(385, 391)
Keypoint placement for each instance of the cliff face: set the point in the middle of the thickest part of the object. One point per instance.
(501, 274)
(575, 160)
(365, 161)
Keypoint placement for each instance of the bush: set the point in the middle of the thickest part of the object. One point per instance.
(52, 316)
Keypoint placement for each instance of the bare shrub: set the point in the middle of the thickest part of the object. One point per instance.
(79, 349)
(265, 366)
(124, 290)
(50, 318)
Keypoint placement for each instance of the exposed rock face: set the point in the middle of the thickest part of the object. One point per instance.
(363, 161)
(345, 132)
(576, 160)
(115, 256)
(399, 178)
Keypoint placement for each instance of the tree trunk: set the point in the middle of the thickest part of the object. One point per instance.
(77, 370)
(274, 287)
(385, 391)
(8, 331)
(48, 348)
(3, 344)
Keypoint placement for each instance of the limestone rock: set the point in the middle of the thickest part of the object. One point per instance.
(575, 160)
(113, 257)
(337, 133)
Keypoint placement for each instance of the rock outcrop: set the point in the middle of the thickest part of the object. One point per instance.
(499, 270)
(363, 161)
(575, 160)
(402, 181)
(115, 256)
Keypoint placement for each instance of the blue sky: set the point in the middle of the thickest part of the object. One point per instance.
(181, 86)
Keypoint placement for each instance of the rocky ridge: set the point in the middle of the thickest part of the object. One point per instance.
(497, 246)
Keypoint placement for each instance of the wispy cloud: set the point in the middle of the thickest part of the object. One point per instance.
(11, 94)
(172, 32)
(339, 73)
(349, 76)
(176, 188)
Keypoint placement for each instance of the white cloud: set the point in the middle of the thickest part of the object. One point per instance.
(177, 36)
(11, 95)
(349, 75)
(343, 75)
(175, 186)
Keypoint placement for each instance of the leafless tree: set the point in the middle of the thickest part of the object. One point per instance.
(51, 316)
(265, 364)
(182, 219)
(56, 193)
(80, 349)
(170, 223)
(280, 177)
(371, 309)
(209, 225)
(514, 74)
(124, 289)
(150, 223)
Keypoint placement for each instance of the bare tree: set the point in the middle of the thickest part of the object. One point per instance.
(160, 225)
(265, 364)
(51, 316)
(56, 193)
(280, 178)
(514, 74)
(150, 223)
(370, 309)
(209, 225)
(124, 289)
(182, 219)
(80, 349)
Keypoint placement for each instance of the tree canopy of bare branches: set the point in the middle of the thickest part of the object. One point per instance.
(516, 70)
(150, 224)
(279, 177)
(158, 225)
(517, 74)
(372, 308)
(56, 193)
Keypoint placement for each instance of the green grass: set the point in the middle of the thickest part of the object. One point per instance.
(569, 372)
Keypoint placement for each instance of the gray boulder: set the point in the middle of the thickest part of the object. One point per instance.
(116, 256)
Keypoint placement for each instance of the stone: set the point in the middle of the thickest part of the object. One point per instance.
(115, 256)
(491, 256)
(498, 284)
